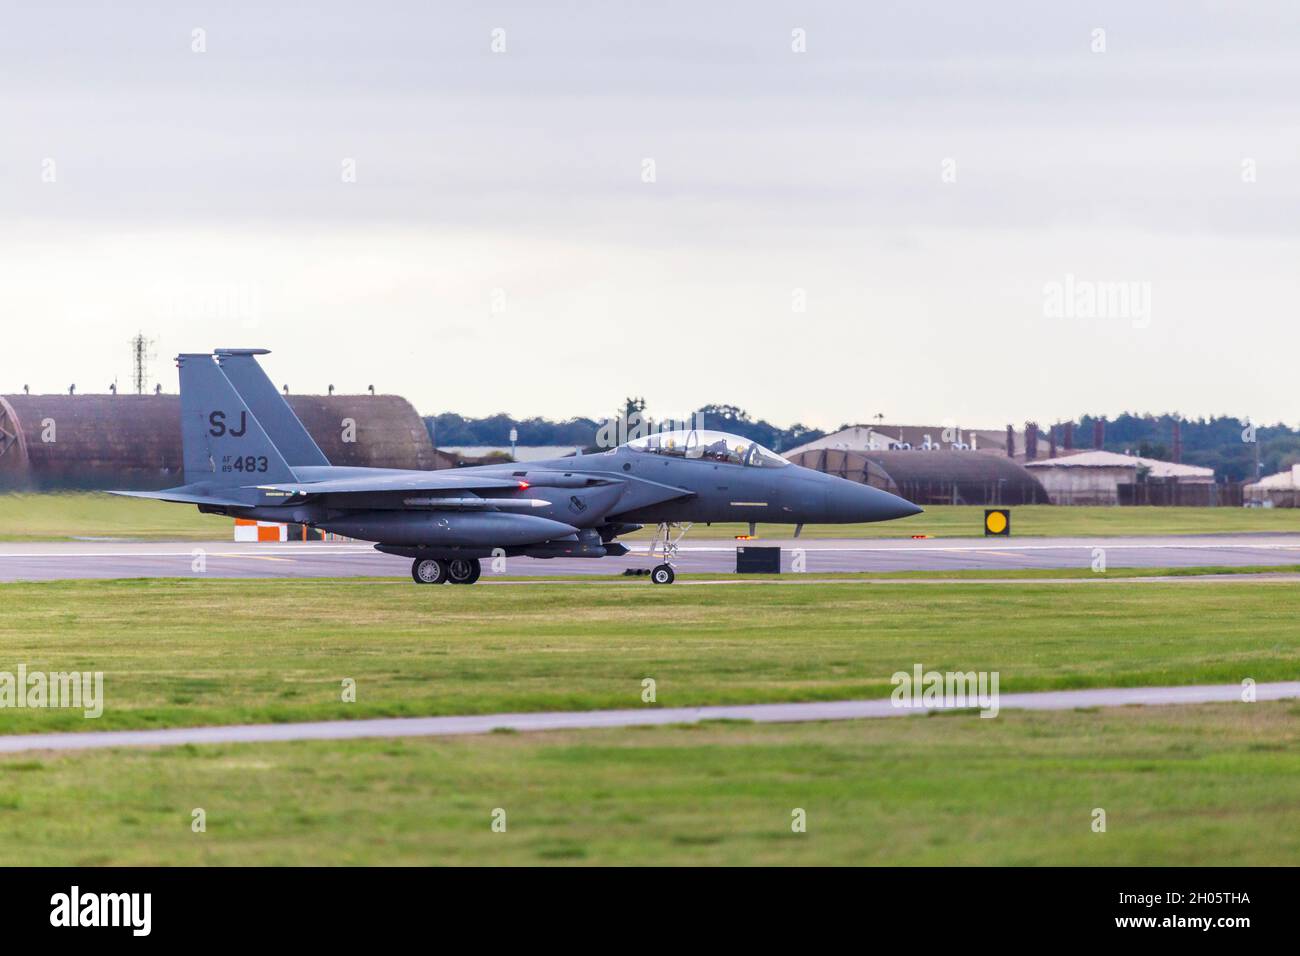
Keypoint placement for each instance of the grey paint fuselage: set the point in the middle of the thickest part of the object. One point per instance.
(619, 486)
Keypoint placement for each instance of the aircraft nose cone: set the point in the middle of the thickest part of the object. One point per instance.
(901, 507)
(853, 502)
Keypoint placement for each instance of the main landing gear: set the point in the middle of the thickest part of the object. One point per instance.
(438, 571)
(667, 540)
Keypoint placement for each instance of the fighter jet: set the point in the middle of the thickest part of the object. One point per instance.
(247, 455)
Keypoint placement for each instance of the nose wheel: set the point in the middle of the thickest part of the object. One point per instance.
(667, 542)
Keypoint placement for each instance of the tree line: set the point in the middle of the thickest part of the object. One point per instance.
(450, 430)
(1224, 443)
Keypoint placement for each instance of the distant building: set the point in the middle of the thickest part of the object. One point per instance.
(443, 459)
(484, 453)
(905, 438)
(1109, 478)
(991, 441)
(1275, 491)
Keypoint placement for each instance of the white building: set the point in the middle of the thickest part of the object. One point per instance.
(1275, 491)
(1094, 477)
(907, 438)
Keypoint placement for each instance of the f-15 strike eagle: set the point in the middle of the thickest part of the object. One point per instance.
(247, 455)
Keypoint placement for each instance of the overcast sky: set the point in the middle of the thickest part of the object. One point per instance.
(886, 222)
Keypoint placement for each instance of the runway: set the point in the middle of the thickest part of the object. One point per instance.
(650, 716)
(122, 559)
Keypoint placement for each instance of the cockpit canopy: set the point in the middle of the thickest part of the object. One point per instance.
(708, 446)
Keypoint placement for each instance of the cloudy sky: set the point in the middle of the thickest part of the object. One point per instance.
(817, 211)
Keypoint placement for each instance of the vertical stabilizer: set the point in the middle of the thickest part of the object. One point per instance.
(223, 443)
(269, 407)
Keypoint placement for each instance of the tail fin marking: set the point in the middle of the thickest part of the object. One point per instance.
(222, 441)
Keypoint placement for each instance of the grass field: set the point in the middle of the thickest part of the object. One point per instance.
(61, 517)
(185, 652)
(58, 517)
(1180, 785)
(1210, 784)
(1040, 574)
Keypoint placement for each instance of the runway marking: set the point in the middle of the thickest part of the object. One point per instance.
(189, 552)
(1099, 579)
(1099, 543)
(881, 579)
(798, 579)
(388, 727)
(902, 547)
(618, 580)
(72, 561)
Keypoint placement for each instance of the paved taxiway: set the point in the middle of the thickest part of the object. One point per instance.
(650, 716)
(121, 559)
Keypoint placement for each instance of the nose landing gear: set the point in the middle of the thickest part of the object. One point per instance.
(667, 540)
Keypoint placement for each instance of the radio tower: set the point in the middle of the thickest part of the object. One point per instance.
(141, 354)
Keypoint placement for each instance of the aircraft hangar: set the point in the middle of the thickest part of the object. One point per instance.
(134, 441)
(931, 477)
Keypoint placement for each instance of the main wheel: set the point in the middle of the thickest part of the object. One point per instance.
(662, 574)
(463, 570)
(429, 571)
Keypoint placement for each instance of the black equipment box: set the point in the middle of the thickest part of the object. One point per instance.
(750, 560)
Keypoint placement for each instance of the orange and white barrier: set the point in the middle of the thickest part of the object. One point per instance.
(246, 530)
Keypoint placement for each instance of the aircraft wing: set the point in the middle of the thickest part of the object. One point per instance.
(184, 498)
(413, 481)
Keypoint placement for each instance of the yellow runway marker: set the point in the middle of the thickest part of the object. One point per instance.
(997, 522)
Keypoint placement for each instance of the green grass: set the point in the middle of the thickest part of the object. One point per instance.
(186, 652)
(1180, 785)
(61, 517)
(1210, 784)
(1038, 574)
